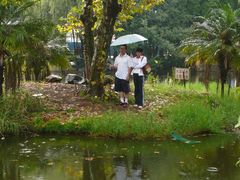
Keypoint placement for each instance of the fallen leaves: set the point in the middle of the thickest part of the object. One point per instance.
(61, 101)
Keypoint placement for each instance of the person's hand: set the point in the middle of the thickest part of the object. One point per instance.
(111, 66)
(127, 78)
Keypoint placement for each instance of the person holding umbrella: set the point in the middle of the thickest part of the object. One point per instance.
(138, 63)
(123, 66)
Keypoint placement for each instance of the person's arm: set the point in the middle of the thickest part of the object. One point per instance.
(115, 65)
(130, 68)
(141, 64)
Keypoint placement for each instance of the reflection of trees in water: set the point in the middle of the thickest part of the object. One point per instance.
(121, 168)
(93, 169)
(9, 170)
(138, 171)
(123, 171)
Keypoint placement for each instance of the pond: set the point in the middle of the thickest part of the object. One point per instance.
(73, 157)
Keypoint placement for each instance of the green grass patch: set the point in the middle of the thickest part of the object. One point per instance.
(110, 124)
(15, 111)
(202, 114)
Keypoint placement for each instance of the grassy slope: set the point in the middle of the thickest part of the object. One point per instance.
(169, 108)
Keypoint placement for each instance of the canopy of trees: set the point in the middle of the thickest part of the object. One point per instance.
(166, 26)
(215, 40)
(24, 44)
(96, 21)
(25, 49)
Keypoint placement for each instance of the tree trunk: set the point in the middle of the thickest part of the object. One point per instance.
(111, 9)
(19, 75)
(218, 79)
(207, 76)
(1, 73)
(223, 68)
(28, 73)
(238, 79)
(88, 19)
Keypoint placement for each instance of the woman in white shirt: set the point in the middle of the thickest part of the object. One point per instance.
(138, 64)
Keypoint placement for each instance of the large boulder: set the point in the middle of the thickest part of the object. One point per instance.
(73, 79)
(54, 78)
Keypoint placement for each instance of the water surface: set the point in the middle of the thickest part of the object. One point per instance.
(70, 158)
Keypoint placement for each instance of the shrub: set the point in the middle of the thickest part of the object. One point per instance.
(15, 110)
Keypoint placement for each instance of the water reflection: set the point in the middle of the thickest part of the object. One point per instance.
(124, 171)
(70, 158)
(93, 168)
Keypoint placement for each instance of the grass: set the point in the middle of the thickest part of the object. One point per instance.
(187, 111)
(188, 116)
(203, 114)
(15, 111)
(190, 111)
(111, 124)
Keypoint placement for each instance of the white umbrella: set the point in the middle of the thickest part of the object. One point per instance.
(128, 39)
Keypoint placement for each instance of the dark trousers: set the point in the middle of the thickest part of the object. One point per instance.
(138, 93)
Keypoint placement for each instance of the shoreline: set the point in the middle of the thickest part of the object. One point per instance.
(168, 109)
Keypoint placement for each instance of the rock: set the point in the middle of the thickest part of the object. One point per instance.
(54, 78)
(73, 78)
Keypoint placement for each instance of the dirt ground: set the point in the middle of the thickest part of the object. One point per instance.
(62, 100)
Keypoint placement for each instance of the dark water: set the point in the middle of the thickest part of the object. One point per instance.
(68, 158)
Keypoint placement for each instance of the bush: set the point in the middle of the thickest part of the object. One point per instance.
(15, 110)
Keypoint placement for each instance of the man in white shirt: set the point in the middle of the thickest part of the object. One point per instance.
(123, 66)
(138, 64)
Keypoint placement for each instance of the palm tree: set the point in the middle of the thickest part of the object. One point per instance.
(24, 42)
(12, 34)
(215, 40)
(43, 49)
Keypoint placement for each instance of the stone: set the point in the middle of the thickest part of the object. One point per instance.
(54, 78)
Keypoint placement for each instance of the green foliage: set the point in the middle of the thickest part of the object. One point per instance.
(53, 9)
(16, 110)
(194, 116)
(215, 40)
(202, 114)
(165, 27)
(110, 124)
(27, 43)
(152, 79)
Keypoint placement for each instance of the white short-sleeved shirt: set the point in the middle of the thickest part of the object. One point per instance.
(123, 63)
(138, 64)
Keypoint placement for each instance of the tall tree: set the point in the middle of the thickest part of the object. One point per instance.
(165, 27)
(12, 33)
(100, 18)
(215, 40)
(25, 42)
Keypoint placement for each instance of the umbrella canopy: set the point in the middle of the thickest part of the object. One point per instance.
(128, 39)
